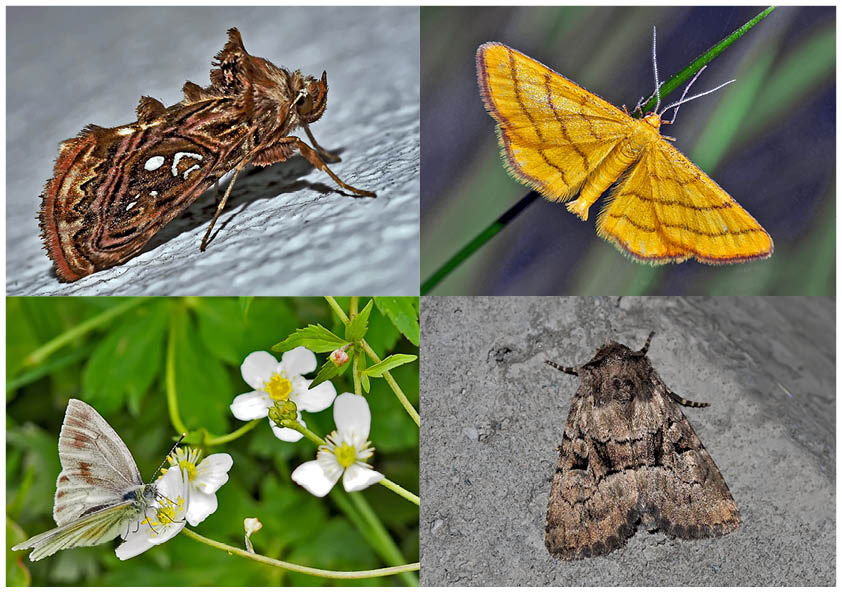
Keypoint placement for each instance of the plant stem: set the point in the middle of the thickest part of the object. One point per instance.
(233, 435)
(345, 575)
(43, 352)
(172, 396)
(479, 240)
(400, 491)
(387, 376)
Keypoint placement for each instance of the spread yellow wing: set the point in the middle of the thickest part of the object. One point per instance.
(667, 209)
(553, 132)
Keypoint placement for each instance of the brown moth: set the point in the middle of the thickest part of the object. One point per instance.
(629, 456)
(114, 188)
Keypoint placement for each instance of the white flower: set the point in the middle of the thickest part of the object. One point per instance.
(164, 518)
(204, 476)
(346, 451)
(275, 382)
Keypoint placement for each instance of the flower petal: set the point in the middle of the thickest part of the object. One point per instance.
(316, 399)
(312, 477)
(287, 434)
(136, 543)
(352, 417)
(257, 368)
(212, 472)
(299, 361)
(202, 505)
(253, 405)
(358, 477)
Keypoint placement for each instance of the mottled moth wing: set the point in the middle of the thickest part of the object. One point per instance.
(114, 188)
(97, 468)
(629, 455)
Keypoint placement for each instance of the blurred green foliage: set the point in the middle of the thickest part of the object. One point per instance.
(119, 367)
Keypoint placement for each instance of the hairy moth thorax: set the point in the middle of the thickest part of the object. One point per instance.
(114, 188)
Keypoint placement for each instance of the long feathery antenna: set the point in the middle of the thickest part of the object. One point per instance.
(655, 68)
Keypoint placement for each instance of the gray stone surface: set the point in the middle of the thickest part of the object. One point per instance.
(494, 414)
(286, 229)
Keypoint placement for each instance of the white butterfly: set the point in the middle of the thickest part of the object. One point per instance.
(99, 492)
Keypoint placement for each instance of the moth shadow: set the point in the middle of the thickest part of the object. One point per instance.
(253, 184)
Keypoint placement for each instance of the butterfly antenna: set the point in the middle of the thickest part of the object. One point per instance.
(166, 458)
(655, 68)
(692, 97)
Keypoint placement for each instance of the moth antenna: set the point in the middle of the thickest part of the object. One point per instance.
(685, 402)
(166, 458)
(646, 345)
(565, 369)
(678, 103)
(655, 68)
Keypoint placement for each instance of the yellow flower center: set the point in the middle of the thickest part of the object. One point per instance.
(278, 387)
(346, 454)
(191, 469)
(166, 513)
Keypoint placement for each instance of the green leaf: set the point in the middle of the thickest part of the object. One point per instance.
(126, 362)
(203, 385)
(403, 312)
(328, 371)
(357, 328)
(245, 304)
(366, 383)
(393, 361)
(315, 338)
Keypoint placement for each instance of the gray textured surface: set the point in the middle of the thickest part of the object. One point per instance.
(494, 414)
(286, 230)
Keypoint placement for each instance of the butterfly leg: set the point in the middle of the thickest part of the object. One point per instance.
(220, 206)
(327, 155)
(316, 161)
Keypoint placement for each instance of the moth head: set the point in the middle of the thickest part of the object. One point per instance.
(618, 373)
(309, 96)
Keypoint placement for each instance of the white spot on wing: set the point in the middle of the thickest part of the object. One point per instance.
(125, 131)
(178, 157)
(154, 163)
(131, 204)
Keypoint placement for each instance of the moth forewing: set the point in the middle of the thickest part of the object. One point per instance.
(114, 188)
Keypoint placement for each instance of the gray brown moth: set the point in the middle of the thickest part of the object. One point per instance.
(629, 456)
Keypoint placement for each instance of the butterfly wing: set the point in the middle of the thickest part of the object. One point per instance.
(89, 529)
(553, 133)
(667, 209)
(97, 468)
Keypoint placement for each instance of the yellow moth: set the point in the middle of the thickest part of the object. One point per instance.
(561, 140)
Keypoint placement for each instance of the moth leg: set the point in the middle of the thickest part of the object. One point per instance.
(328, 156)
(219, 208)
(315, 160)
(565, 369)
(685, 402)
